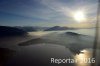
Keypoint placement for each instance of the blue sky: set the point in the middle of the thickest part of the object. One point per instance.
(44, 12)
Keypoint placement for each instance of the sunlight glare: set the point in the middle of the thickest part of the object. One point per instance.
(79, 16)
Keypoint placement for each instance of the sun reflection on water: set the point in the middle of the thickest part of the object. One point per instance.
(83, 59)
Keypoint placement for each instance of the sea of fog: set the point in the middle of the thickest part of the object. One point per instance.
(40, 54)
(90, 32)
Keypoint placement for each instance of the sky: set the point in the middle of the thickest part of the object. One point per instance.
(46, 12)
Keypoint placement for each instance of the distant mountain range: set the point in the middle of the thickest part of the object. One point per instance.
(27, 28)
(39, 28)
(32, 28)
(11, 31)
(56, 28)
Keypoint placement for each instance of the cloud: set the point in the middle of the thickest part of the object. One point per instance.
(50, 11)
(67, 9)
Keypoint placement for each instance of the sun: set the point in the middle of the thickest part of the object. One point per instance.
(79, 16)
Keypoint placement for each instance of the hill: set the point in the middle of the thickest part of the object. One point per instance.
(56, 28)
(11, 31)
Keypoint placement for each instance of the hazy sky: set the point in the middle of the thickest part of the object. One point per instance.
(45, 12)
